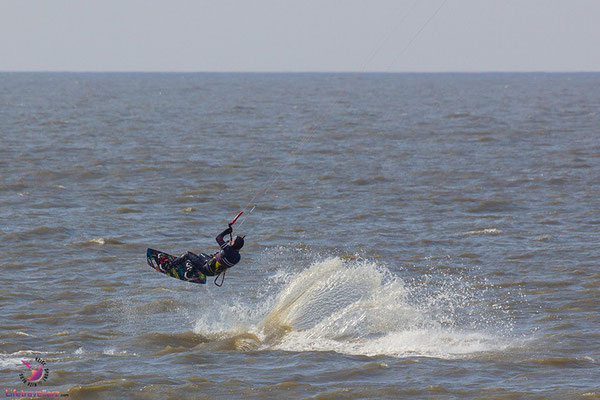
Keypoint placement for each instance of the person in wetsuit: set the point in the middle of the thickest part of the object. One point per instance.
(199, 266)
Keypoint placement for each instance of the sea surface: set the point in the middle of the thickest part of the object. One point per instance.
(415, 236)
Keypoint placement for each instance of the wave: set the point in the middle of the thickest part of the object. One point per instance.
(486, 231)
(8, 361)
(40, 232)
(99, 389)
(356, 307)
(564, 362)
(186, 339)
(99, 241)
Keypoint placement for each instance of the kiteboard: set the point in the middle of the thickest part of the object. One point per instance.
(172, 266)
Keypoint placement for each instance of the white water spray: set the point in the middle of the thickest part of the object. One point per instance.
(358, 307)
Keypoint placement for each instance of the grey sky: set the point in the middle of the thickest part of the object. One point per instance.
(299, 35)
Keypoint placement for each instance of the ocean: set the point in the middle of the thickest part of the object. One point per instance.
(415, 236)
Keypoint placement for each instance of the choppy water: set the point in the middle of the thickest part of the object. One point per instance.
(435, 236)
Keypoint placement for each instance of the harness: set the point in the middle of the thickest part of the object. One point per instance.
(214, 267)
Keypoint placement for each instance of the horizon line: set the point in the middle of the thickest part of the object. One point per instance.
(67, 71)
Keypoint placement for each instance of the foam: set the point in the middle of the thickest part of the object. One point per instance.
(12, 360)
(8, 362)
(359, 307)
(111, 351)
(487, 231)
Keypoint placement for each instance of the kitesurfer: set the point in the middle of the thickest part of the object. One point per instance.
(203, 265)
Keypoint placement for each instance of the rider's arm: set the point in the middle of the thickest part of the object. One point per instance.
(220, 239)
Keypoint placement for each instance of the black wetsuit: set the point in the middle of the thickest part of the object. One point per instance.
(203, 265)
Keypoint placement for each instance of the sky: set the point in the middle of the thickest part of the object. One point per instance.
(300, 35)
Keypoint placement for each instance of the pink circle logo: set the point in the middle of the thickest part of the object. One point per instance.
(39, 373)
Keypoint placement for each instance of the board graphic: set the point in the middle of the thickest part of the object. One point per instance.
(173, 266)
